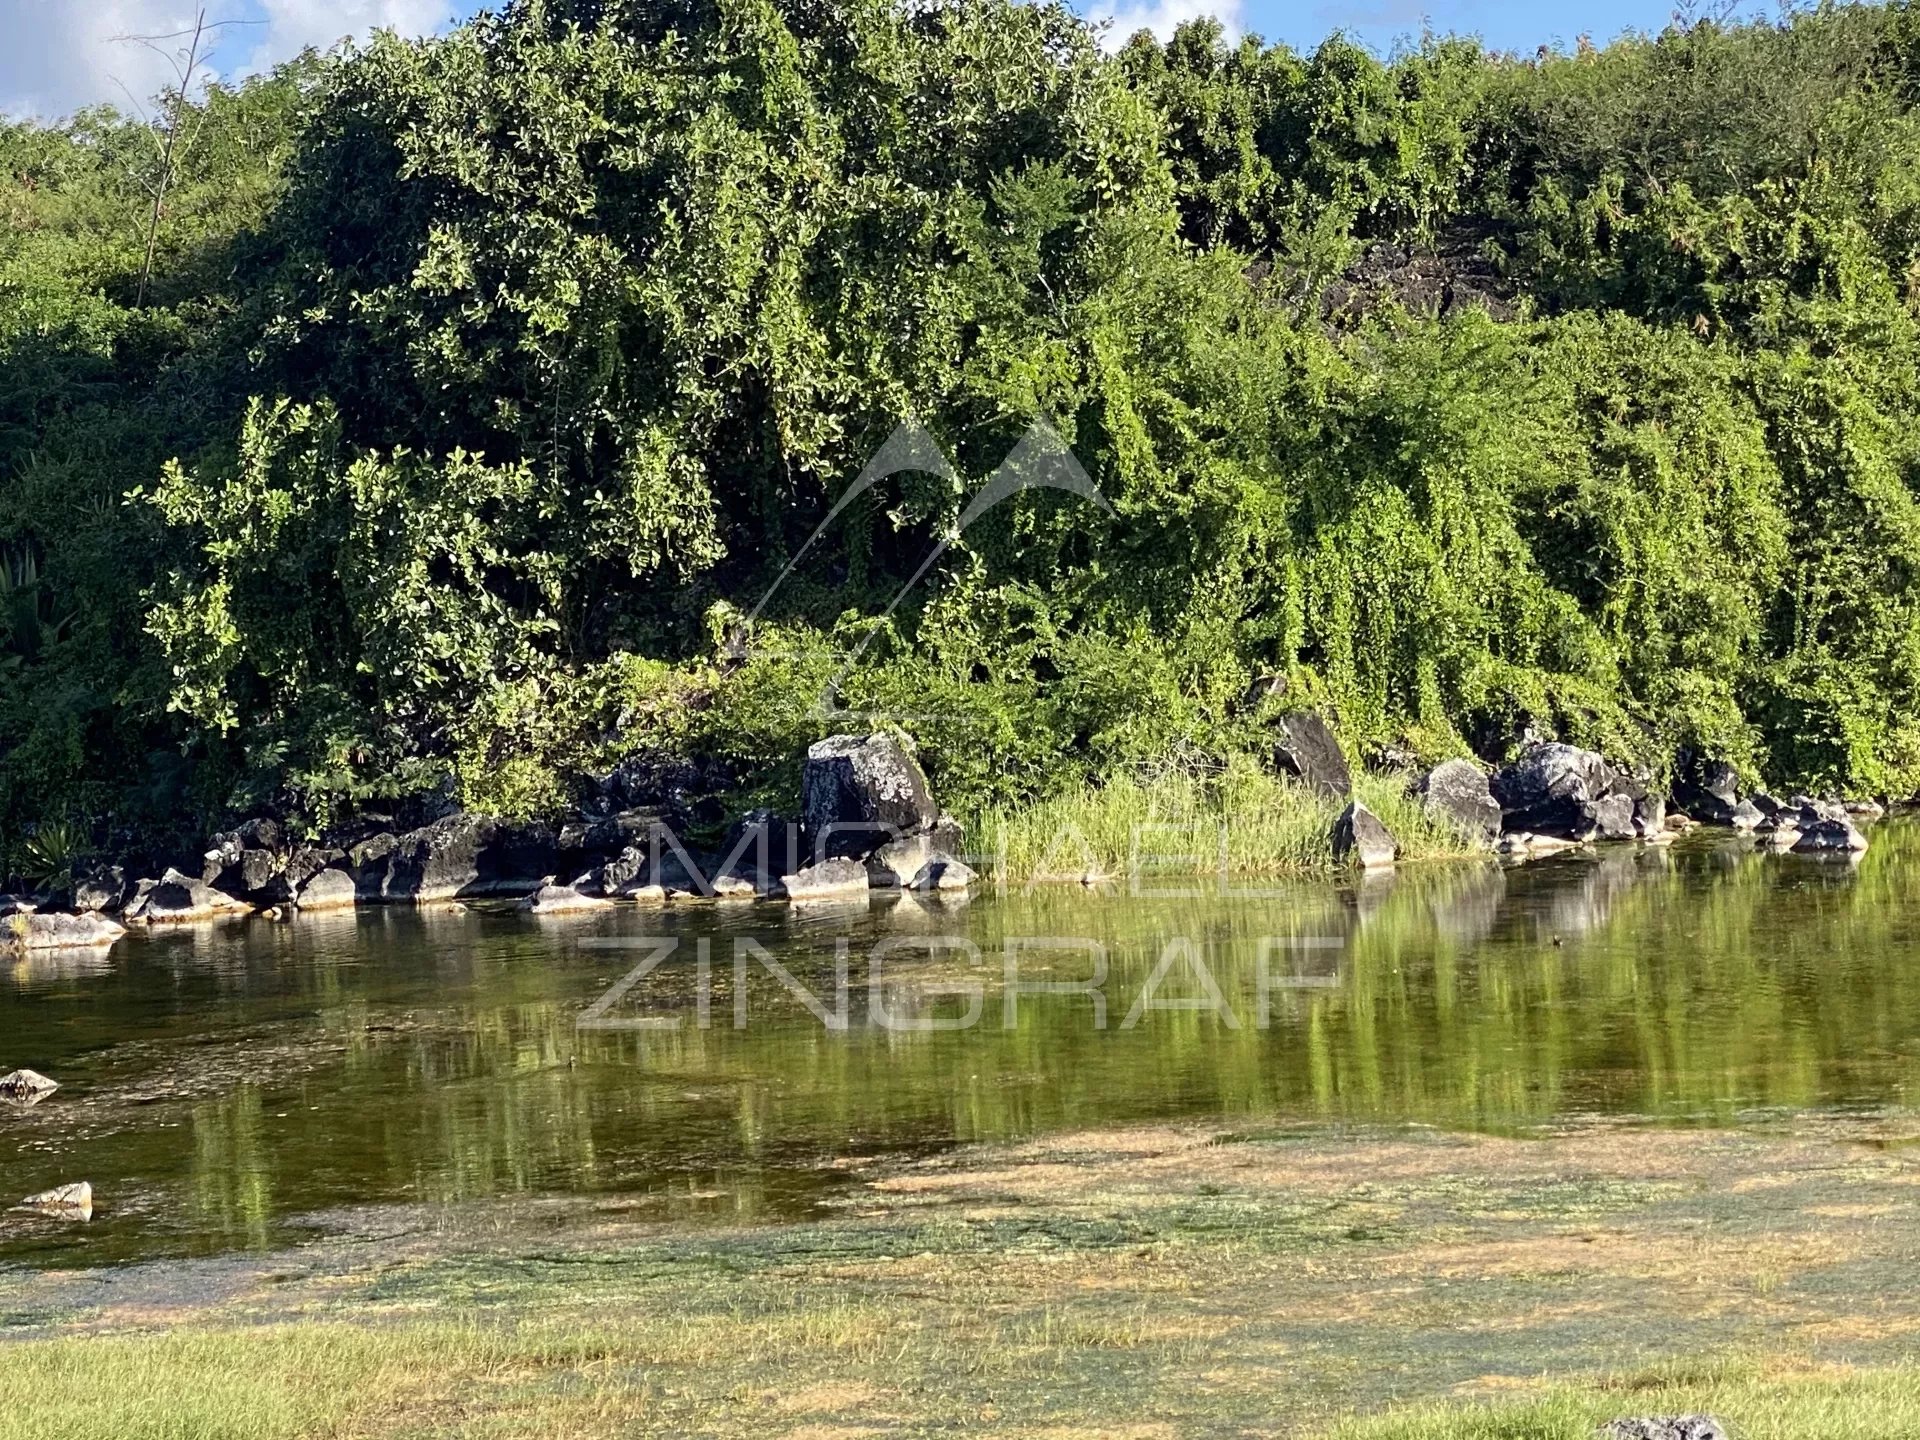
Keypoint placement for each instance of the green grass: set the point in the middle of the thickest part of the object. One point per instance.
(1756, 1400)
(1148, 1284)
(1271, 825)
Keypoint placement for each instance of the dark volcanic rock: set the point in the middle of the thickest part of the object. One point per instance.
(1360, 836)
(100, 890)
(1547, 772)
(1829, 836)
(1707, 789)
(1567, 793)
(176, 898)
(861, 792)
(466, 855)
(1308, 748)
(1457, 792)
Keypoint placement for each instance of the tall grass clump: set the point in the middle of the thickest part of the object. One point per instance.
(1235, 817)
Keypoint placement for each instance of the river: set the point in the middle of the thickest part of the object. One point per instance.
(236, 1087)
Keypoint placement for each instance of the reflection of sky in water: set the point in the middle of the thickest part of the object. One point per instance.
(219, 1082)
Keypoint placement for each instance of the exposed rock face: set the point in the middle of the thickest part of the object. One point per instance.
(59, 932)
(26, 1086)
(551, 899)
(367, 863)
(329, 889)
(859, 793)
(828, 880)
(1667, 1427)
(69, 1202)
(291, 879)
(177, 899)
(1361, 837)
(100, 891)
(1309, 750)
(942, 873)
(463, 855)
(759, 848)
(1458, 793)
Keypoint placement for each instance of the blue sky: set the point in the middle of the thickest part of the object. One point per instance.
(59, 54)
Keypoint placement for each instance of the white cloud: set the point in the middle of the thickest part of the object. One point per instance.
(57, 55)
(1162, 17)
(292, 25)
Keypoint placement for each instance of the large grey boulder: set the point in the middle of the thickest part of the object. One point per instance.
(59, 932)
(1567, 793)
(1362, 838)
(1552, 771)
(177, 899)
(1613, 818)
(860, 792)
(466, 855)
(1664, 1427)
(328, 889)
(1308, 749)
(1457, 792)
(828, 880)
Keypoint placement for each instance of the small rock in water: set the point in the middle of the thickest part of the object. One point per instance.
(1830, 836)
(830, 879)
(1664, 1427)
(68, 1202)
(942, 872)
(26, 1085)
(552, 899)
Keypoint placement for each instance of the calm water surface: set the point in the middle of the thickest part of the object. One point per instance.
(224, 1086)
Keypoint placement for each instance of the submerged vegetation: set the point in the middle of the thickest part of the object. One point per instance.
(483, 386)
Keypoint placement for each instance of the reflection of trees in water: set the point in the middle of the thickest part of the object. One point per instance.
(1697, 981)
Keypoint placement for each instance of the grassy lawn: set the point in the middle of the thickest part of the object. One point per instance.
(1164, 1282)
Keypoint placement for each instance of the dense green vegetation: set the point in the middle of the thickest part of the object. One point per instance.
(486, 383)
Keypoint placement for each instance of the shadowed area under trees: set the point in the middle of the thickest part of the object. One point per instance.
(483, 384)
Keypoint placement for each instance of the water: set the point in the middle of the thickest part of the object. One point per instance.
(228, 1088)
